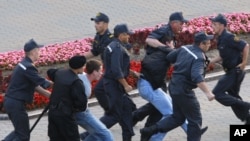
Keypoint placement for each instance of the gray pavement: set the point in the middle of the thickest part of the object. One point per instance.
(49, 22)
(215, 116)
(57, 21)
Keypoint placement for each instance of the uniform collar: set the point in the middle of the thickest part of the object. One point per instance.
(223, 33)
(105, 33)
(28, 59)
(198, 48)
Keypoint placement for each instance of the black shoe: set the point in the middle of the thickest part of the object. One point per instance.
(126, 138)
(203, 130)
(147, 132)
(247, 120)
(83, 135)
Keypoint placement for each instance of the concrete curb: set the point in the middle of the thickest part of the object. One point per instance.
(134, 93)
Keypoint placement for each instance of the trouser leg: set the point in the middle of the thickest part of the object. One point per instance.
(227, 93)
(19, 118)
(101, 95)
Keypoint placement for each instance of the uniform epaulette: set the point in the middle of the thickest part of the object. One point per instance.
(111, 35)
(236, 38)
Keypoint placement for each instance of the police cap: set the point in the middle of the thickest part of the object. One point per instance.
(177, 16)
(100, 17)
(77, 62)
(202, 36)
(122, 28)
(220, 18)
(30, 45)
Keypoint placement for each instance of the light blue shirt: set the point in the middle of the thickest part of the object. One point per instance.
(86, 83)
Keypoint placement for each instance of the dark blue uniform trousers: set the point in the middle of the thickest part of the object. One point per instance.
(227, 92)
(120, 108)
(185, 106)
(101, 95)
(19, 118)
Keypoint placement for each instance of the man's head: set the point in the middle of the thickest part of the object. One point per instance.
(76, 63)
(31, 49)
(219, 23)
(94, 69)
(122, 32)
(202, 40)
(101, 22)
(176, 21)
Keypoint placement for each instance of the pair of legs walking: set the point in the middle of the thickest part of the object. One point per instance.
(227, 93)
(160, 100)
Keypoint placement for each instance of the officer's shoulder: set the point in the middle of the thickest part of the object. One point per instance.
(232, 37)
(164, 27)
(114, 43)
(109, 35)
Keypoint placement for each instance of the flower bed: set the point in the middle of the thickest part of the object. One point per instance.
(238, 23)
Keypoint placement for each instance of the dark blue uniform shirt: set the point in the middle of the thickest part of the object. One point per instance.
(23, 81)
(230, 48)
(189, 64)
(101, 42)
(116, 60)
(162, 34)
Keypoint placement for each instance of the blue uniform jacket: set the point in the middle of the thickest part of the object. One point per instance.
(101, 42)
(23, 81)
(189, 64)
(162, 34)
(230, 49)
(116, 61)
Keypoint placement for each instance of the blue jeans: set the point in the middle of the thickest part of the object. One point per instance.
(160, 100)
(96, 129)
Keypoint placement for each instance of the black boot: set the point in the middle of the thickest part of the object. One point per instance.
(126, 138)
(247, 120)
(147, 132)
(203, 130)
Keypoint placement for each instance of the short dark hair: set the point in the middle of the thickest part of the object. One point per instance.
(93, 65)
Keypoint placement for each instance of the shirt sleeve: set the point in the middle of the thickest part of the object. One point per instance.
(116, 63)
(157, 34)
(197, 71)
(236, 43)
(32, 74)
(78, 96)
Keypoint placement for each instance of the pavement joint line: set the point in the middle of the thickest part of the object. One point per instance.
(134, 93)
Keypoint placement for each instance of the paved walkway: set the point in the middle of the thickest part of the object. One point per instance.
(56, 21)
(215, 116)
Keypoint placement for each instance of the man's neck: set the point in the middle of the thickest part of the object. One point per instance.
(101, 33)
(221, 32)
(90, 78)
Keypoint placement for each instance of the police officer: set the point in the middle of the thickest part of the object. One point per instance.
(102, 38)
(161, 38)
(116, 64)
(189, 69)
(24, 81)
(67, 98)
(233, 53)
